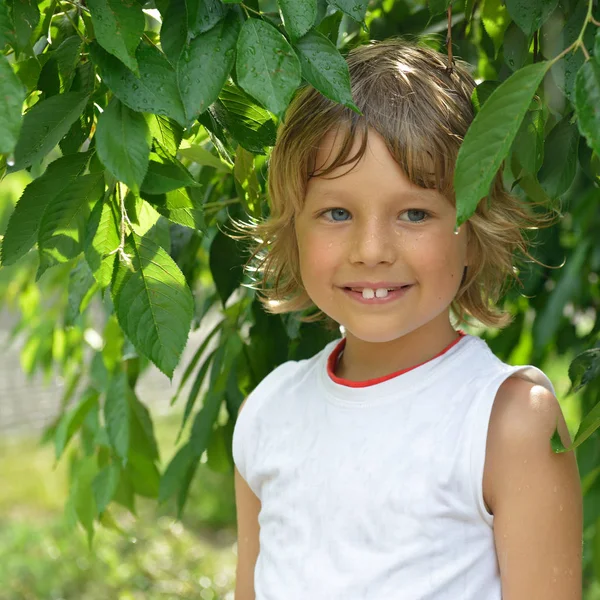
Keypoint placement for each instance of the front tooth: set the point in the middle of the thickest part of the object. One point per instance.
(368, 293)
(381, 292)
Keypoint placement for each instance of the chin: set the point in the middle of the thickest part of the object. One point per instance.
(374, 335)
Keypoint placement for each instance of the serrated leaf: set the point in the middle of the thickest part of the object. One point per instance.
(298, 17)
(62, 229)
(102, 237)
(105, 485)
(123, 142)
(355, 9)
(11, 103)
(67, 55)
(81, 281)
(165, 177)
(179, 207)
(528, 146)
(584, 368)
(118, 25)
(587, 100)
(325, 68)
(205, 64)
(166, 132)
(490, 137)
(117, 415)
(155, 91)
(142, 429)
(530, 15)
(44, 125)
(23, 225)
(266, 65)
(560, 160)
(250, 125)
(147, 222)
(516, 48)
(143, 474)
(153, 303)
(81, 493)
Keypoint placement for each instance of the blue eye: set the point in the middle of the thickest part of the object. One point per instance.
(337, 214)
(421, 215)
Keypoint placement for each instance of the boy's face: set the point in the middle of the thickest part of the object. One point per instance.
(373, 228)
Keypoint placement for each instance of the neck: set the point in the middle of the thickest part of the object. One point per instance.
(362, 360)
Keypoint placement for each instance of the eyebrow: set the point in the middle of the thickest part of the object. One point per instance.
(412, 194)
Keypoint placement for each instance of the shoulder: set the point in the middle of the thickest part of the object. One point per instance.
(524, 417)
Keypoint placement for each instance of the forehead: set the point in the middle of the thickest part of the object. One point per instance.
(377, 169)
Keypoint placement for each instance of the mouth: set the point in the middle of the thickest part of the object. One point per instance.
(376, 295)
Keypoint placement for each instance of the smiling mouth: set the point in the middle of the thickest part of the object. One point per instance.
(376, 294)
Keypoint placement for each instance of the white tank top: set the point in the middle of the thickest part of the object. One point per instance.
(374, 492)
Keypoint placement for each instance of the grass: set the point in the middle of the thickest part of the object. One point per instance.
(42, 557)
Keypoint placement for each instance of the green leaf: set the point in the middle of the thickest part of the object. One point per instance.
(62, 229)
(23, 225)
(266, 66)
(123, 142)
(482, 92)
(82, 496)
(26, 16)
(204, 15)
(72, 420)
(249, 124)
(298, 17)
(587, 101)
(118, 25)
(166, 132)
(204, 157)
(175, 473)
(584, 368)
(530, 15)
(173, 31)
(528, 146)
(44, 125)
(516, 48)
(153, 303)
(325, 68)
(67, 56)
(142, 436)
(179, 207)
(355, 9)
(155, 91)
(548, 320)
(102, 237)
(117, 415)
(205, 64)
(7, 33)
(11, 103)
(490, 137)
(495, 19)
(217, 458)
(144, 475)
(81, 282)
(560, 162)
(165, 177)
(105, 485)
(226, 265)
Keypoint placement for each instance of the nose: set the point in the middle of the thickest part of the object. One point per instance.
(372, 242)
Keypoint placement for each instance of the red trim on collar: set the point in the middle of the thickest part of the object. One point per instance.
(334, 356)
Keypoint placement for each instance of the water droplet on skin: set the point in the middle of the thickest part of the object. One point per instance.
(561, 507)
(456, 230)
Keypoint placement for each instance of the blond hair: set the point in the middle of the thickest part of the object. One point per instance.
(422, 110)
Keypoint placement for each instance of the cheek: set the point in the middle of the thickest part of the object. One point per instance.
(441, 254)
(318, 254)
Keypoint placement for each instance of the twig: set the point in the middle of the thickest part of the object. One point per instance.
(449, 42)
(596, 23)
(247, 8)
(578, 43)
(120, 249)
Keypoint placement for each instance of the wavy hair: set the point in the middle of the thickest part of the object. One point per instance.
(422, 110)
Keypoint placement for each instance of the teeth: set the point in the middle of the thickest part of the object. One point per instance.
(368, 293)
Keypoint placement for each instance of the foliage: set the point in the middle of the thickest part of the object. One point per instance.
(147, 125)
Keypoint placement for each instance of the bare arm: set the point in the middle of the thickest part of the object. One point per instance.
(248, 507)
(536, 498)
